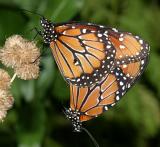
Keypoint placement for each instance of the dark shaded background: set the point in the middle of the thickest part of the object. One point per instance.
(37, 119)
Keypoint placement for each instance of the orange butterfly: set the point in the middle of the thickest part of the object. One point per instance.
(86, 52)
(89, 102)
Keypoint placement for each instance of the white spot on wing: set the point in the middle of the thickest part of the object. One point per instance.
(117, 98)
(124, 66)
(76, 63)
(101, 26)
(121, 83)
(121, 35)
(114, 29)
(106, 108)
(78, 80)
(142, 62)
(99, 35)
(129, 85)
(63, 32)
(84, 31)
(80, 37)
(108, 46)
(121, 39)
(122, 46)
(105, 35)
(141, 41)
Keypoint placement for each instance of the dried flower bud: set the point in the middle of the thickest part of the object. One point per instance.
(27, 71)
(18, 51)
(4, 80)
(6, 102)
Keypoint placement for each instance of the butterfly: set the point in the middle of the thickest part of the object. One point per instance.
(86, 52)
(89, 102)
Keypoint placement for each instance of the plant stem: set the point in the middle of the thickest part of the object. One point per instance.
(14, 76)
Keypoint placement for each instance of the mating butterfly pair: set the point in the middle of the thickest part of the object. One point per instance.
(99, 63)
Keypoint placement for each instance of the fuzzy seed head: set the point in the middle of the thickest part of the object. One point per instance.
(27, 71)
(6, 102)
(4, 80)
(18, 51)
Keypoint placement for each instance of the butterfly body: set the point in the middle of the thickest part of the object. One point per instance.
(74, 116)
(48, 30)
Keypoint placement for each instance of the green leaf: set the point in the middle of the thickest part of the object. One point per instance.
(30, 131)
(7, 27)
(63, 10)
(153, 73)
(46, 77)
(140, 108)
(27, 4)
(15, 89)
(28, 90)
(50, 142)
(61, 87)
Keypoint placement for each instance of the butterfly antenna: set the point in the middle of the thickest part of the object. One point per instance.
(92, 138)
(64, 110)
(31, 12)
(37, 33)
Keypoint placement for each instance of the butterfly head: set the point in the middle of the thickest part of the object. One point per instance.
(74, 116)
(48, 30)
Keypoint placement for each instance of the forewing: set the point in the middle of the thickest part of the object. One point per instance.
(83, 53)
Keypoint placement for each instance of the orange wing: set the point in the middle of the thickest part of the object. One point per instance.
(134, 70)
(92, 101)
(83, 53)
(132, 53)
(129, 48)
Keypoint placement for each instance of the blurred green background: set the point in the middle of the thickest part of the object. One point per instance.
(37, 120)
